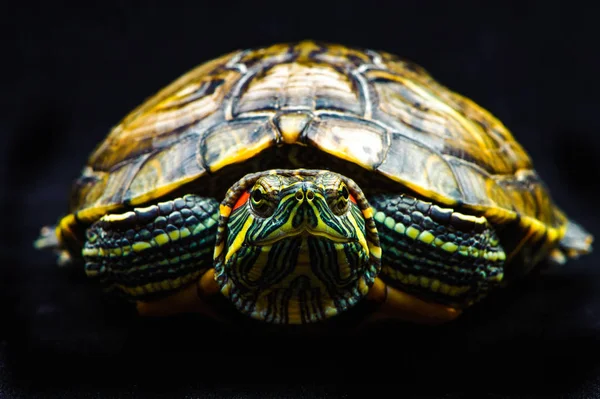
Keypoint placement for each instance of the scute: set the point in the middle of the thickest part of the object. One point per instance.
(355, 140)
(174, 164)
(236, 141)
(371, 108)
(172, 111)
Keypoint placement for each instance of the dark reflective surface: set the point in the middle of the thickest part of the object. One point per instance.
(72, 73)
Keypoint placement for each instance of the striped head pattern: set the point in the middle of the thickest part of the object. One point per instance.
(295, 246)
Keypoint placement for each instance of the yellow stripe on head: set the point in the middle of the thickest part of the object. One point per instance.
(239, 238)
(225, 210)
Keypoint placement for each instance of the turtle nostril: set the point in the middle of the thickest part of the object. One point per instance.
(310, 195)
(299, 195)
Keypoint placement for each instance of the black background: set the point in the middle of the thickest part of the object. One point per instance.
(71, 71)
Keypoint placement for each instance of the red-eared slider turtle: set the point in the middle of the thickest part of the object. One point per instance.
(299, 180)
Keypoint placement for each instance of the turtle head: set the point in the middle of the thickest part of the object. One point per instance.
(295, 246)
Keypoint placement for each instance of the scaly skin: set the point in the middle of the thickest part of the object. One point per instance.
(297, 247)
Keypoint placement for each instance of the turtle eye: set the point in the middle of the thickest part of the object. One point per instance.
(340, 204)
(257, 196)
(260, 203)
(345, 194)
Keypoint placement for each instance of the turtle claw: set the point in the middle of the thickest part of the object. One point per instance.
(64, 258)
(48, 240)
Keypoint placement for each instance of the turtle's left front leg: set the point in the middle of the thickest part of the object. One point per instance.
(435, 261)
(154, 253)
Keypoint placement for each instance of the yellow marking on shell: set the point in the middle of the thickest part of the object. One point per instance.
(412, 232)
(156, 168)
(305, 48)
(368, 213)
(470, 218)
(291, 125)
(92, 214)
(442, 106)
(160, 191)
(118, 217)
(492, 214)
(225, 210)
(140, 246)
(239, 238)
(242, 154)
(174, 235)
(65, 223)
(161, 239)
(345, 154)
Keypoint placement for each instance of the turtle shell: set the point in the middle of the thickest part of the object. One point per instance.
(369, 108)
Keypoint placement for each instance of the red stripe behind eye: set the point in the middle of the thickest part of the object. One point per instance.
(352, 198)
(242, 200)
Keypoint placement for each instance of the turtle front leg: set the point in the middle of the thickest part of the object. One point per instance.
(154, 255)
(435, 261)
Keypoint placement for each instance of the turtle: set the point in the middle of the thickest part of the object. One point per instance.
(293, 183)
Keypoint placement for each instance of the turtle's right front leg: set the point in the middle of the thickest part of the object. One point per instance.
(155, 252)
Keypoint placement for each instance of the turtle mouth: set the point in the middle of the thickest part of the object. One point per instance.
(303, 231)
